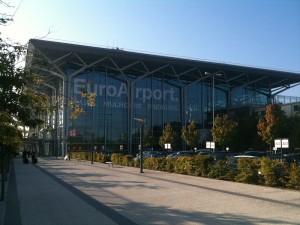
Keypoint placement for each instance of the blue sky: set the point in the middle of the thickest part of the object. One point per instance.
(258, 33)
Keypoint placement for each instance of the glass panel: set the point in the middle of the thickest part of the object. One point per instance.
(106, 122)
(245, 97)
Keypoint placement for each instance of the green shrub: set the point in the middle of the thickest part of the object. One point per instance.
(136, 163)
(152, 163)
(127, 160)
(149, 163)
(75, 155)
(190, 166)
(183, 165)
(81, 155)
(248, 171)
(274, 172)
(100, 157)
(86, 156)
(116, 158)
(162, 162)
(253, 171)
(222, 170)
(202, 165)
(195, 166)
(170, 162)
(294, 176)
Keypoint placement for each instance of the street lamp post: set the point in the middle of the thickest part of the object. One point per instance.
(141, 121)
(92, 160)
(93, 133)
(92, 145)
(213, 100)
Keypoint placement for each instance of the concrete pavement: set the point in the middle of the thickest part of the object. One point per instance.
(57, 192)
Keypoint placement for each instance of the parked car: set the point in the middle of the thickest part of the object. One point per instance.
(222, 155)
(181, 153)
(154, 154)
(255, 153)
(205, 151)
(287, 157)
(150, 154)
(234, 159)
(171, 155)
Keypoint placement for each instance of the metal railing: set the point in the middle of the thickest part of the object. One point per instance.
(282, 99)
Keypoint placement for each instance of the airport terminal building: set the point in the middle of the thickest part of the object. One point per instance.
(128, 86)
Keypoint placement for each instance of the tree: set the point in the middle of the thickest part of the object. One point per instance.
(20, 104)
(245, 136)
(149, 139)
(273, 125)
(169, 136)
(5, 19)
(294, 128)
(223, 129)
(191, 135)
(77, 106)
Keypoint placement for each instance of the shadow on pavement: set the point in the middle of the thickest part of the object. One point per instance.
(147, 214)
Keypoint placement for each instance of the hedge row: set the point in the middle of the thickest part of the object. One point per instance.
(262, 171)
(87, 156)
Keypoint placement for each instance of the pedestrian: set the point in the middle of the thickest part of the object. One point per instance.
(24, 156)
(33, 157)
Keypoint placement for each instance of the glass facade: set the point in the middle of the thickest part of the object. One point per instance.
(156, 98)
(110, 122)
(247, 97)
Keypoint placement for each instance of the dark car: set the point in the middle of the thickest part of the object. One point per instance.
(181, 153)
(222, 155)
(150, 154)
(205, 151)
(255, 153)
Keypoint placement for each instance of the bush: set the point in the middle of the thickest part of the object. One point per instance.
(265, 171)
(127, 160)
(100, 157)
(75, 155)
(222, 170)
(196, 165)
(116, 158)
(274, 172)
(248, 171)
(149, 163)
(202, 165)
(294, 176)
(183, 165)
(136, 163)
(162, 163)
(155, 164)
(86, 156)
(170, 162)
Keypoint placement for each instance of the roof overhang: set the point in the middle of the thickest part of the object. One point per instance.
(186, 71)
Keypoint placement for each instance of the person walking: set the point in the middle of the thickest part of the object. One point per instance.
(33, 157)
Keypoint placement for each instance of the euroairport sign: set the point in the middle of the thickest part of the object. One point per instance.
(165, 99)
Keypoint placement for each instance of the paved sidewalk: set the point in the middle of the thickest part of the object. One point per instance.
(58, 192)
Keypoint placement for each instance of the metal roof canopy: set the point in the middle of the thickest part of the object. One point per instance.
(186, 71)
